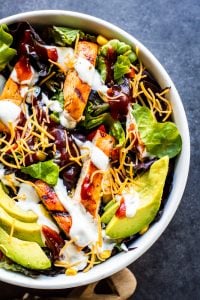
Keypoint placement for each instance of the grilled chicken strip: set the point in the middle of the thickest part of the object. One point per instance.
(88, 190)
(11, 92)
(76, 92)
(53, 204)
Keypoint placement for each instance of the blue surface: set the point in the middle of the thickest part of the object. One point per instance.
(171, 30)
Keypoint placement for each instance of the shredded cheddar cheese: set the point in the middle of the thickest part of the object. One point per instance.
(47, 78)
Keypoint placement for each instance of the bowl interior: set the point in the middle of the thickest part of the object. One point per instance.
(114, 264)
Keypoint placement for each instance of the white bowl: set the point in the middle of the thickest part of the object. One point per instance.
(121, 260)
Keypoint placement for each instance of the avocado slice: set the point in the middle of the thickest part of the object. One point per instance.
(27, 254)
(109, 212)
(9, 205)
(22, 230)
(109, 204)
(150, 188)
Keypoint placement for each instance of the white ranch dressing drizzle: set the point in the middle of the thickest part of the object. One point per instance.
(131, 201)
(9, 112)
(84, 229)
(12, 178)
(24, 90)
(66, 120)
(29, 81)
(87, 73)
(107, 243)
(2, 171)
(65, 55)
(97, 156)
(53, 105)
(73, 256)
(31, 202)
(124, 247)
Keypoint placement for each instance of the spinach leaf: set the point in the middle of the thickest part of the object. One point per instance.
(6, 53)
(48, 171)
(160, 139)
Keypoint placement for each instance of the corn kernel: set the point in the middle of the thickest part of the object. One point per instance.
(101, 40)
(105, 254)
(41, 155)
(71, 271)
(144, 229)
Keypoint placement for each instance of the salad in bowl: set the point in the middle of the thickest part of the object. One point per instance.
(87, 148)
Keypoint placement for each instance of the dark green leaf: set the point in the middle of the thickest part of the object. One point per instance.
(117, 131)
(48, 171)
(87, 37)
(96, 113)
(59, 96)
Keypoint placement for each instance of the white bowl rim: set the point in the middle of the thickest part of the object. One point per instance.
(121, 260)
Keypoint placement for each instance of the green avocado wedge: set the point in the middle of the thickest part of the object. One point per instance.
(109, 212)
(9, 205)
(27, 254)
(24, 231)
(150, 188)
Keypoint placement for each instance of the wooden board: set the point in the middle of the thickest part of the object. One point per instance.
(119, 286)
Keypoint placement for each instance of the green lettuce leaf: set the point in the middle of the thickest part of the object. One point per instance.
(6, 53)
(102, 68)
(121, 67)
(160, 139)
(125, 57)
(115, 45)
(64, 36)
(48, 171)
(9, 265)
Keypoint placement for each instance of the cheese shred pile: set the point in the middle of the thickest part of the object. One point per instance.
(33, 139)
(146, 97)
